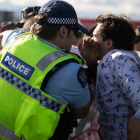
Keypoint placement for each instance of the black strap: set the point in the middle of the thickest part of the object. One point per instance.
(78, 57)
(91, 72)
(65, 126)
(54, 70)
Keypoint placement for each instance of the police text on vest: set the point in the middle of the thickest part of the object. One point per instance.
(17, 65)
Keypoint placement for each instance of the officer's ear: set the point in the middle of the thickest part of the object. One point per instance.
(63, 32)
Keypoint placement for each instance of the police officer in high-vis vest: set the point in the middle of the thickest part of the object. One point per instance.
(40, 80)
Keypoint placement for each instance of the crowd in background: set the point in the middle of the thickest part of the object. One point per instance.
(92, 129)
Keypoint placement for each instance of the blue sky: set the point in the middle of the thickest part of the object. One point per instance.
(88, 9)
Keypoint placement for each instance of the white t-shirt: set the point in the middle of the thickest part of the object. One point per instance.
(75, 50)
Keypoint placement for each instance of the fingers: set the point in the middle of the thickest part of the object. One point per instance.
(79, 46)
(88, 40)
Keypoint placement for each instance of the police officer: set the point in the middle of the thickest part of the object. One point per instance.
(39, 79)
(27, 13)
(26, 19)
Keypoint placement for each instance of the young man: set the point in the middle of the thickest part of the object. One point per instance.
(40, 79)
(118, 76)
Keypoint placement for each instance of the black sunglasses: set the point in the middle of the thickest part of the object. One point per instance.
(75, 29)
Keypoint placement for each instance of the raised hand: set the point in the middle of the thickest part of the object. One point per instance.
(88, 50)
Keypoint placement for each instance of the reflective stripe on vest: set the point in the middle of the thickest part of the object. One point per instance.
(29, 90)
(7, 134)
(12, 40)
(48, 59)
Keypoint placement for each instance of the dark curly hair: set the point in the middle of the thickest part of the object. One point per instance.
(119, 29)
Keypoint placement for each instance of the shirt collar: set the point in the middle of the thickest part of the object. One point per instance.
(132, 54)
(51, 44)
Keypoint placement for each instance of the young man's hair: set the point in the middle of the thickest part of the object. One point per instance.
(119, 29)
(43, 29)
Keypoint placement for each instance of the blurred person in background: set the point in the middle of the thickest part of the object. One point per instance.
(7, 25)
(137, 42)
(1, 36)
(36, 61)
(118, 77)
(91, 29)
(27, 13)
(78, 39)
(26, 20)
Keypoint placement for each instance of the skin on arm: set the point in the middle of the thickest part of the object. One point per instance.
(133, 129)
(81, 112)
(1, 36)
(80, 101)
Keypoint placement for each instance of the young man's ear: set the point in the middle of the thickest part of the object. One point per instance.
(63, 32)
(110, 44)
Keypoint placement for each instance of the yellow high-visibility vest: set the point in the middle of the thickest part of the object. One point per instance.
(25, 110)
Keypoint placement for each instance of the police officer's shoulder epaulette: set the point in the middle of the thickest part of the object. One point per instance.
(54, 70)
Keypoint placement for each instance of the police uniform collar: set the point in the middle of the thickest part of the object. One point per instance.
(51, 44)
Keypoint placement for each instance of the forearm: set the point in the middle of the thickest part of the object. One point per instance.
(82, 112)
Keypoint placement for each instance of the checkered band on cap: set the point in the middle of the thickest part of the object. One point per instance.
(29, 90)
(70, 21)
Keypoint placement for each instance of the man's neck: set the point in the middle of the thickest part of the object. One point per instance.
(56, 42)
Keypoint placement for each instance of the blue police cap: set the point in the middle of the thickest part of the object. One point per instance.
(61, 12)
